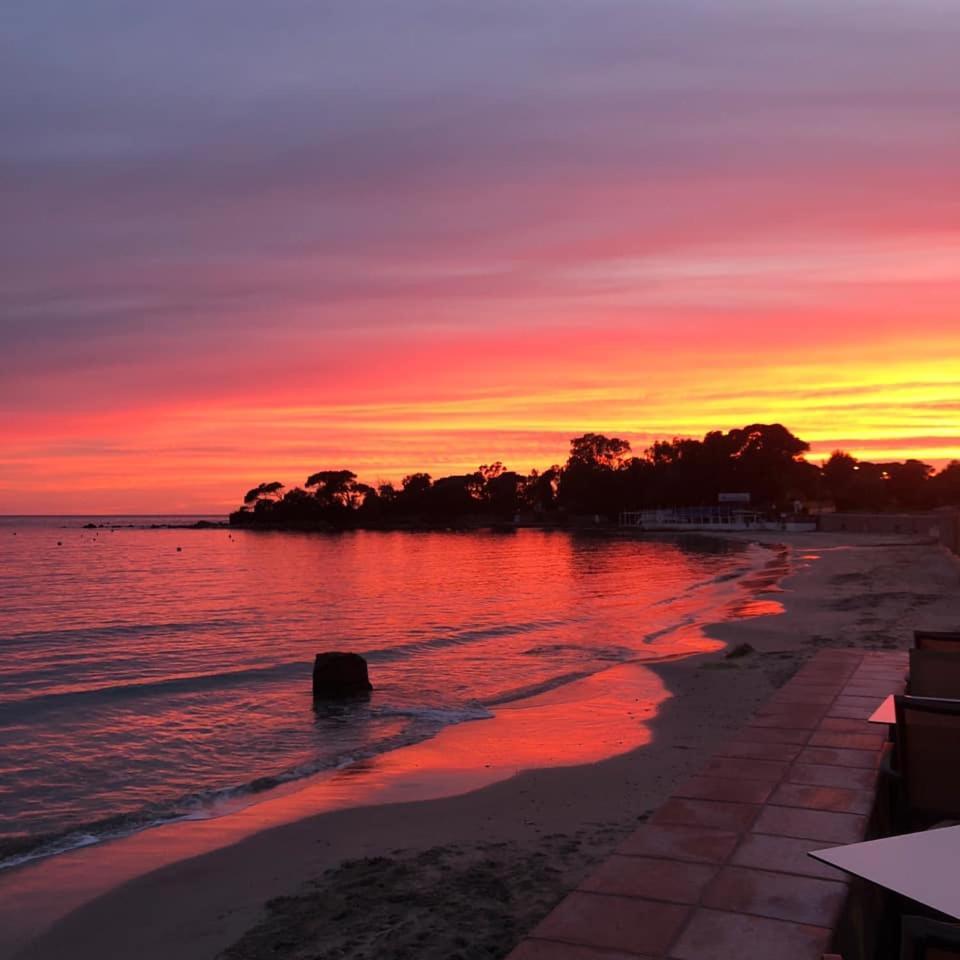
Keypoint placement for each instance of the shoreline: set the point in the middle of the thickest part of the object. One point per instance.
(683, 632)
(277, 782)
(218, 895)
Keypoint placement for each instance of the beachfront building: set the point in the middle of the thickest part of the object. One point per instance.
(696, 518)
(732, 512)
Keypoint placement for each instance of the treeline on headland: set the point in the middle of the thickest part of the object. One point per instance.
(602, 477)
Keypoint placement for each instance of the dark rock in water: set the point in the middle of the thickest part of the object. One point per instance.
(339, 675)
(742, 650)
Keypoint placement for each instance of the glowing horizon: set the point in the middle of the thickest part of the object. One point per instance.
(407, 241)
(904, 415)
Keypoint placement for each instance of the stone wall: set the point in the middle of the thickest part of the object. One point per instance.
(942, 525)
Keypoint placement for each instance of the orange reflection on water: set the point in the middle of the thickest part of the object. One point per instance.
(747, 608)
(582, 722)
(452, 620)
(595, 718)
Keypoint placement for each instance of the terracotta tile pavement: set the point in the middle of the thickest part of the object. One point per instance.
(775, 735)
(837, 799)
(617, 923)
(719, 935)
(707, 813)
(790, 719)
(855, 711)
(721, 872)
(833, 775)
(834, 756)
(676, 842)
(765, 770)
(536, 949)
(724, 788)
(749, 749)
(853, 741)
(823, 825)
(778, 896)
(863, 704)
(671, 880)
(782, 855)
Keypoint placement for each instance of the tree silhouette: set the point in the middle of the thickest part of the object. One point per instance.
(840, 478)
(597, 451)
(505, 494)
(945, 486)
(260, 498)
(907, 484)
(541, 489)
(766, 461)
(267, 491)
(602, 478)
(338, 488)
(589, 483)
(416, 484)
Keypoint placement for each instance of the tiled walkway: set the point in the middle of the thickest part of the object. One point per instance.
(721, 870)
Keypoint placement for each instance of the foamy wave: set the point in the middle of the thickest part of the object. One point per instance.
(438, 714)
(425, 723)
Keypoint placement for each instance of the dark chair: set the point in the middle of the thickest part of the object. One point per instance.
(947, 641)
(927, 773)
(934, 673)
(925, 939)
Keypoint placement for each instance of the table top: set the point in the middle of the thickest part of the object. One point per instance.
(921, 866)
(885, 713)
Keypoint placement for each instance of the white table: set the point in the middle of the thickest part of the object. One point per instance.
(923, 866)
(885, 713)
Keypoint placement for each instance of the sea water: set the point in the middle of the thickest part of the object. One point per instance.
(150, 673)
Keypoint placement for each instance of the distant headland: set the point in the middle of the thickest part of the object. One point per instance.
(602, 478)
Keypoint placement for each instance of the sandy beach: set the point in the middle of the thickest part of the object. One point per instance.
(465, 876)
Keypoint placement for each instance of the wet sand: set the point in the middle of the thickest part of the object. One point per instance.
(466, 875)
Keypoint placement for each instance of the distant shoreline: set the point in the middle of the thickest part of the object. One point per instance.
(204, 522)
(106, 516)
(119, 521)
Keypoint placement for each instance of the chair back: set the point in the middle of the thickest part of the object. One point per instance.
(928, 745)
(923, 938)
(934, 673)
(946, 640)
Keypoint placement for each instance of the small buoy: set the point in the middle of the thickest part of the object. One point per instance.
(179, 549)
(59, 543)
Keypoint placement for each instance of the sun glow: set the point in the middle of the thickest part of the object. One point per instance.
(417, 260)
(889, 399)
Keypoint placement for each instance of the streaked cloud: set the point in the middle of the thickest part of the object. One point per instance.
(245, 240)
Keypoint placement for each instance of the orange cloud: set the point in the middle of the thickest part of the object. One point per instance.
(456, 401)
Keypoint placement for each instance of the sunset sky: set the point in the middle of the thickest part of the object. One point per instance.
(247, 240)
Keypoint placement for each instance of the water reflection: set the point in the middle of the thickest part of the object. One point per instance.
(146, 682)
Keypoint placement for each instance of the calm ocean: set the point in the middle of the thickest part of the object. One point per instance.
(153, 674)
